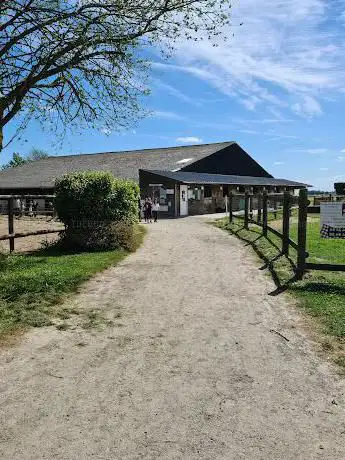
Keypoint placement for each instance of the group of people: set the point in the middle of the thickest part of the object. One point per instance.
(22, 207)
(149, 210)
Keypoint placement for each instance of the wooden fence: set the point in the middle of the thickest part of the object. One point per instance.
(12, 235)
(287, 201)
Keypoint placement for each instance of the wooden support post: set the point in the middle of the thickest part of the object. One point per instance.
(251, 199)
(302, 232)
(286, 223)
(230, 206)
(264, 213)
(10, 223)
(259, 208)
(246, 211)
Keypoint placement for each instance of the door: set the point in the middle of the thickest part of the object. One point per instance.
(183, 200)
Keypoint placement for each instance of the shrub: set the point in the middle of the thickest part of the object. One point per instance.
(113, 235)
(339, 188)
(98, 210)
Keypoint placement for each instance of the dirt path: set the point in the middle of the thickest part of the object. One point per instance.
(188, 369)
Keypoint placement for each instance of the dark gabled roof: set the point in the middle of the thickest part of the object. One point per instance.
(184, 177)
(231, 161)
(126, 165)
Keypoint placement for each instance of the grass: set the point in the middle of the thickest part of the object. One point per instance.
(320, 294)
(33, 286)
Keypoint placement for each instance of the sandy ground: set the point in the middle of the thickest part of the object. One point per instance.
(187, 369)
(27, 224)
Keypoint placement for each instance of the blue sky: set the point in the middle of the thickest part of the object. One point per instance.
(277, 87)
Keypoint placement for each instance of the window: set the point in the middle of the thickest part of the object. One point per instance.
(207, 191)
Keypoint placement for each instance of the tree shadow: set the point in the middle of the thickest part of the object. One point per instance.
(281, 286)
(282, 281)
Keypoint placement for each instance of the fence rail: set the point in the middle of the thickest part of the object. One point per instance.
(11, 212)
(24, 234)
(287, 201)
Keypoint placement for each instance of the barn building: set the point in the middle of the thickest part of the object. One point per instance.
(187, 180)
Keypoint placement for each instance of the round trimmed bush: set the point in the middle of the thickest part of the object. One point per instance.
(97, 209)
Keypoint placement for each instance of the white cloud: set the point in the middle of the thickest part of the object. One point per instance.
(341, 158)
(249, 131)
(279, 136)
(286, 56)
(176, 93)
(316, 151)
(310, 151)
(308, 107)
(278, 163)
(324, 169)
(342, 151)
(163, 115)
(105, 131)
(189, 140)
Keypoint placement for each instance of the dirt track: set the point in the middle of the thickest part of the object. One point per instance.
(27, 224)
(188, 368)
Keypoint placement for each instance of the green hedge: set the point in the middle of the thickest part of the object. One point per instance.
(96, 195)
(90, 203)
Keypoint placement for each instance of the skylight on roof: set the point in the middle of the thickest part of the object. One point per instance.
(175, 170)
(185, 160)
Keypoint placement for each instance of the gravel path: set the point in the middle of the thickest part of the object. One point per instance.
(186, 369)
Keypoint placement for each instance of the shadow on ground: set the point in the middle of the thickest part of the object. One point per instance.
(269, 262)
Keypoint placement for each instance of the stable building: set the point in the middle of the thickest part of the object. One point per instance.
(186, 179)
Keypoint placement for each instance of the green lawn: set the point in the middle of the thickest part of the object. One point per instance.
(321, 294)
(33, 286)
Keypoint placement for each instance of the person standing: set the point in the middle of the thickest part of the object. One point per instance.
(148, 210)
(145, 209)
(139, 208)
(155, 209)
(30, 213)
(35, 208)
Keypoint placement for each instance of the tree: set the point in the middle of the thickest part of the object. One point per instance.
(339, 188)
(17, 160)
(70, 60)
(36, 154)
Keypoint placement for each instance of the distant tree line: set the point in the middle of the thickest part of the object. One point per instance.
(18, 160)
(319, 192)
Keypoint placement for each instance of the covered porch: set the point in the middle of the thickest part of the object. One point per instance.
(183, 193)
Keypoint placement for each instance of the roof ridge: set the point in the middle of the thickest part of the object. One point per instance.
(138, 150)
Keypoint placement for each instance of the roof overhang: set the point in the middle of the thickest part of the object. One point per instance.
(184, 177)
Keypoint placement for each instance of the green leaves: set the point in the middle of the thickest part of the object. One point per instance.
(94, 196)
(17, 160)
(67, 61)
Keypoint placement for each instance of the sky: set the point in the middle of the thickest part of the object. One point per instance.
(277, 87)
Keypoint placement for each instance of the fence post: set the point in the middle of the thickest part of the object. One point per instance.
(10, 223)
(286, 223)
(302, 232)
(246, 210)
(230, 207)
(275, 206)
(264, 213)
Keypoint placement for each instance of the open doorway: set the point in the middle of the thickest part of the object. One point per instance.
(183, 200)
